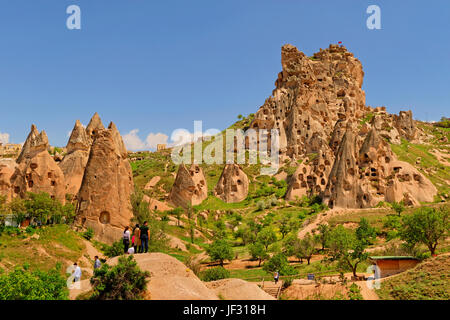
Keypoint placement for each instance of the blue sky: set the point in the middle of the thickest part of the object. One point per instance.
(156, 66)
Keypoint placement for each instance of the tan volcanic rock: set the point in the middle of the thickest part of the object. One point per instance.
(170, 279)
(318, 107)
(232, 185)
(32, 136)
(153, 181)
(74, 162)
(154, 204)
(238, 289)
(407, 184)
(6, 173)
(104, 197)
(405, 124)
(37, 171)
(94, 126)
(189, 186)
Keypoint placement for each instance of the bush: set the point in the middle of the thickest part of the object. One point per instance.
(220, 250)
(354, 292)
(125, 281)
(22, 284)
(214, 274)
(116, 249)
(193, 264)
(88, 234)
(280, 263)
(261, 205)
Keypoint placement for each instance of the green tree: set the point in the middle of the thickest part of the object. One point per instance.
(18, 210)
(266, 236)
(220, 250)
(140, 208)
(307, 247)
(346, 249)
(177, 212)
(323, 235)
(365, 232)
(398, 207)
(290, 243)
(124, 281)
(285, 226)
(426, 225)
(214, 274)
(280, 263)
(22, 284)
(258, 252)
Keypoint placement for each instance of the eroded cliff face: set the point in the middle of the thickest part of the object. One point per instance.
(104, 196)
(190, 186)
(36, 170)
(319, 108)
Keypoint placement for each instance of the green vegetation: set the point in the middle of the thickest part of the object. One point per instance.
(24, 284)
(427, 226)
(214, 274)
(430, 280)
(39, 248)
(438, 173)
(124, 281)
(220, 250)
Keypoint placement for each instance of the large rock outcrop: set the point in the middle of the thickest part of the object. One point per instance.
(37, 171)
(232, 185)
(6, 172)
(104, 196)
(318, 107)
(76, 158)
(170, 279)
(189, 187)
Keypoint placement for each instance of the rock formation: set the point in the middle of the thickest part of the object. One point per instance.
(232, 185)
(104, 196)
(94, 126)
(36, 170)
(318, 106)
(74, 162)
(6, 173)
(189, 187)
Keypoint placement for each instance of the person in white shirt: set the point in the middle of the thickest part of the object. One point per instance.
(126, 239)
(77, 272)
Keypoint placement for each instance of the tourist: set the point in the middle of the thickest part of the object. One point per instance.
(76, 272)
(143, 235)
(276, 276)
(126, 239)
(137, 240)
(97, 263)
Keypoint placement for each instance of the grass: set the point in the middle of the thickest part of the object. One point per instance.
(436, 172)
(56, 243)
(430, 280)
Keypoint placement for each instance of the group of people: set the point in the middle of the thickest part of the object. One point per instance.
(138, 238)
(138, 241)
(76, 272)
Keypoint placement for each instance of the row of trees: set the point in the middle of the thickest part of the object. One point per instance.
(346, 247)
(39, 207)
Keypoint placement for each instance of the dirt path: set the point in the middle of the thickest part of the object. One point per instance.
(366, 292)
(320, 218)
(323, 217)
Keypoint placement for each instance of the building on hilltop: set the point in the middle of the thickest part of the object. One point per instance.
(10, 150)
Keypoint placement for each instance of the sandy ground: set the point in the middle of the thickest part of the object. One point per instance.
(237, 289)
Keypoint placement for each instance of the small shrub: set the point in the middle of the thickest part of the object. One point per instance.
(88, 234)
(125, 281)
(116, 249)
(214, 274)
(354, 292)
